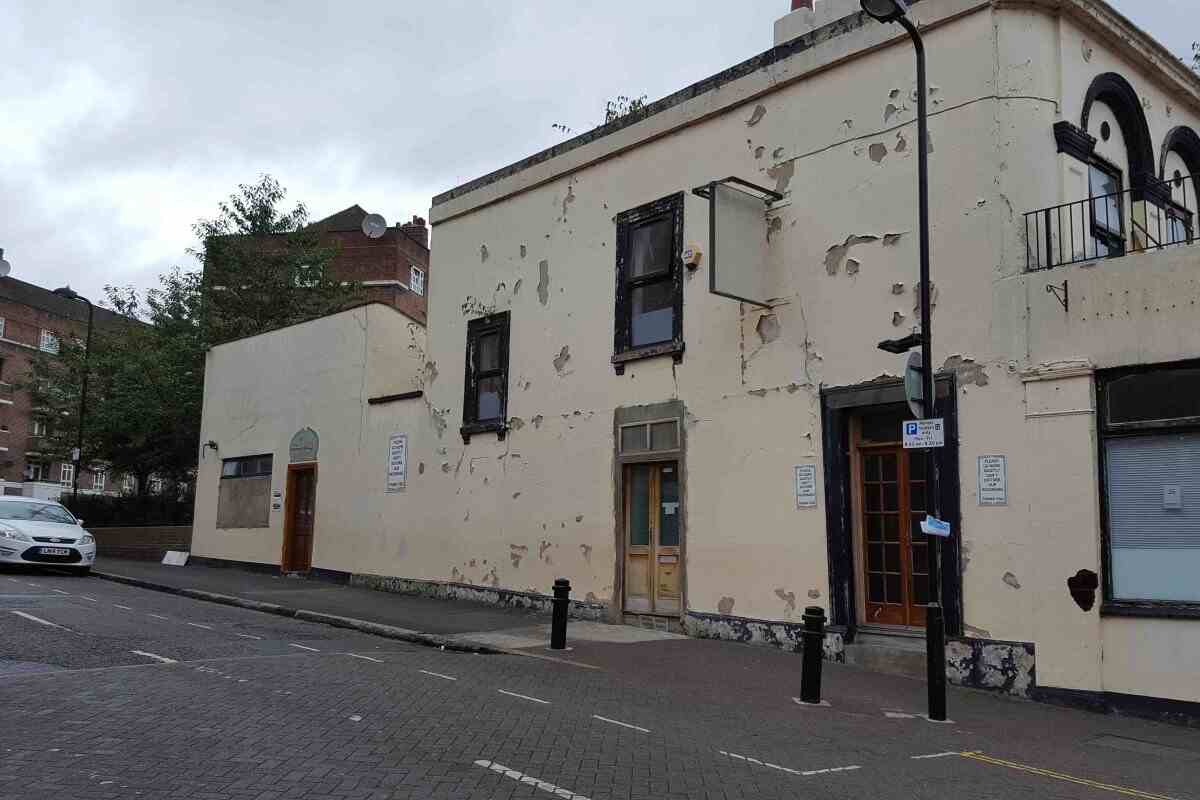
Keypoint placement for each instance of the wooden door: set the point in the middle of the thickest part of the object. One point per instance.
(895, 552)
(653, 560)
(300, 514)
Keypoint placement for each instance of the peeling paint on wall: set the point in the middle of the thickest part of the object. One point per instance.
(897, 288)
(777, 153)
(967, 370)
(725, 605)
(756, 116)
(767, 328)
(523, 251)
(516, 423)
(782, 175)
(814, 594)
(789, 601)
(516, 552)
(877, 152)
(421, 468)
(758, 151)
(560, 360)
(543, 287)
(897, 318)
(837, 253)
(773, 227)
(852, 266)
(543, 546)
(517, 287)
(586, 551)
(537, 421)
(570, 198)
(1011, 580)
(483, 253)
(892, 239)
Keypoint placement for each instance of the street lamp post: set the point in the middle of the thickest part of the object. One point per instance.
(935, 649)
(68, 293)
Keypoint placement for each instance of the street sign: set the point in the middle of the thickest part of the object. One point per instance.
(921, 434)
(914, 384)
(932, 526)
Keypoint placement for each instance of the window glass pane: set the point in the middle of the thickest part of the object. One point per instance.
(264, 465)
(639, 505)
(1106, 211)
(229, 469)
(488, 355)
(652, 311)
(488, 399)
(1153, 485)
(668, 520)
(633, 438)
(650, 247)
(1160, 395)
(664, 436)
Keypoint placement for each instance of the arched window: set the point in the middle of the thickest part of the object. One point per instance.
(1179, 168)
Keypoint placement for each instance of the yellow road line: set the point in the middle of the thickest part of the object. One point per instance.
(999, 762)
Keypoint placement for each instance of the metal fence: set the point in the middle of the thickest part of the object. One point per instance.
(1149, 217)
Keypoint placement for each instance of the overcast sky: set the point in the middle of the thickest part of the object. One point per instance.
(123, 122)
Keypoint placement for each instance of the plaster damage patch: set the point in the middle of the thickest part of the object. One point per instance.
(523, 251)
(767, 328)
(516, 552)
(537, 421)
(560, 360)
(892, 239)
(877, 152)
(967, 371)
(837, 253)
(852, 266)
(897, 288)
(586, 551)
(725, 605)
(1011, 580)
(782, 175)
(756, 116)
(789, 600)
(483, 253)
(543, 287)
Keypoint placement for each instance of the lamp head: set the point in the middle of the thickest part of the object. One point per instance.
(885, 10)
(66, 292)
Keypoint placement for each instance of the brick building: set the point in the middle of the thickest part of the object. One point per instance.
(33, 318)
(393, 269)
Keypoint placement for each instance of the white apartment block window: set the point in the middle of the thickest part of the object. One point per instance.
(129, 484)
(37, 472)
(49, 342)
(416, 280)
(1, 327)
(38, 428)
(67, 474)
(99, 478)
(156, 485)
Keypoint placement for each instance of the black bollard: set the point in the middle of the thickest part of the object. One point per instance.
(558, 625)
(935, 662)
(814, 647)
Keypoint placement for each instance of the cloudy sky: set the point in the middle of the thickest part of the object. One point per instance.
(123, 122)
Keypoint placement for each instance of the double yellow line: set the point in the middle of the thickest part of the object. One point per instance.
(1060, 776)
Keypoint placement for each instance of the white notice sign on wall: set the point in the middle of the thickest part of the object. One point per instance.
(993, 480)
(277, 499)
(397, 471)
(806, 486)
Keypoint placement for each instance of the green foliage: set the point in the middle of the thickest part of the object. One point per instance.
(262, 269)
(1196, 56)
(623, 106)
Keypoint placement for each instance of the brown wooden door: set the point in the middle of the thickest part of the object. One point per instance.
(653, 560)
(896, 553)
(301, 508)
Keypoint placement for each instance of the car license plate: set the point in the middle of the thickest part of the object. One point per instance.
(55, 551)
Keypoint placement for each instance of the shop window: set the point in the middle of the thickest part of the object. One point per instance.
(485, 398)
(649, 293)
(1150, 442)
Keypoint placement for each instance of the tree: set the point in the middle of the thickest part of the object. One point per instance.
(1196, 56)
(262, 268)
(623, 106)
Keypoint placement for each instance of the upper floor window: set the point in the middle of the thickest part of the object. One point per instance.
(1104, 189)
(2, 333)
(35, 471)
(416, 280)
(49, 342)
(99, 478)
(129, 483)
(649, 301)
(485, 398)
(66, 474)
(37, 427)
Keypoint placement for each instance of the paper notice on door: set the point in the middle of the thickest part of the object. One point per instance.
(670, 508)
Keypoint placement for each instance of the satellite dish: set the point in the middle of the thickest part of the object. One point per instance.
(5, 267)
(374, 225)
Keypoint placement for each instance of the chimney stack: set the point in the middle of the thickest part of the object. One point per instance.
(416, 230)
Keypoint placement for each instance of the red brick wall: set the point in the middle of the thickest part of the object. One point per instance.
(388, 258)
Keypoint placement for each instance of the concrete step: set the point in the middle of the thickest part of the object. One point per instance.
(892, 654)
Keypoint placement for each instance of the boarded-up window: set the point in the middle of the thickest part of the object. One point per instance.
(244, 496)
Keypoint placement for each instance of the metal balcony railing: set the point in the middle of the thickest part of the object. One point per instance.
(1151, 216)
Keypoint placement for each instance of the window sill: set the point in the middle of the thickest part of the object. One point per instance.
(1151, 609)
(499, 427)
(673, 348)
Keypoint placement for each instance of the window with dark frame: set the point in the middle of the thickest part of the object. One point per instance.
(1108, 224)
(485, 398)
(1149, 428)
(649, 290)
(245, 467)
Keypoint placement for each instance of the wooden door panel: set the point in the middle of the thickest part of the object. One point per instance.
(653, 530)
(299, 524)
(895, 559)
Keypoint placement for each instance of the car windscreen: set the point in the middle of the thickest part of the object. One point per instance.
(35, 512)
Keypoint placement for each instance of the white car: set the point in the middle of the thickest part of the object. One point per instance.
(39, 532)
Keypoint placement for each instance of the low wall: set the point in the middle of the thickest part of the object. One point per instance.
(147, 542)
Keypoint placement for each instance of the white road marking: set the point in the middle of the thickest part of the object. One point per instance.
(157, 616)
(41, 621)
(303, 647)
(545, 786)
(14, 580)
(524, 697)
(198, 625)
(365, 658)
(934, 755)
(802, 773)
(118, 605)
(898, 715)
(60, 591)
(155, 656)
(27, 583)
(89, 599)
(250, 636)
(438, 675)
(355, 718)
(622, 724)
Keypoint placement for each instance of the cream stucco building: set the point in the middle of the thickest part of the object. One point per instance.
(585, 407)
